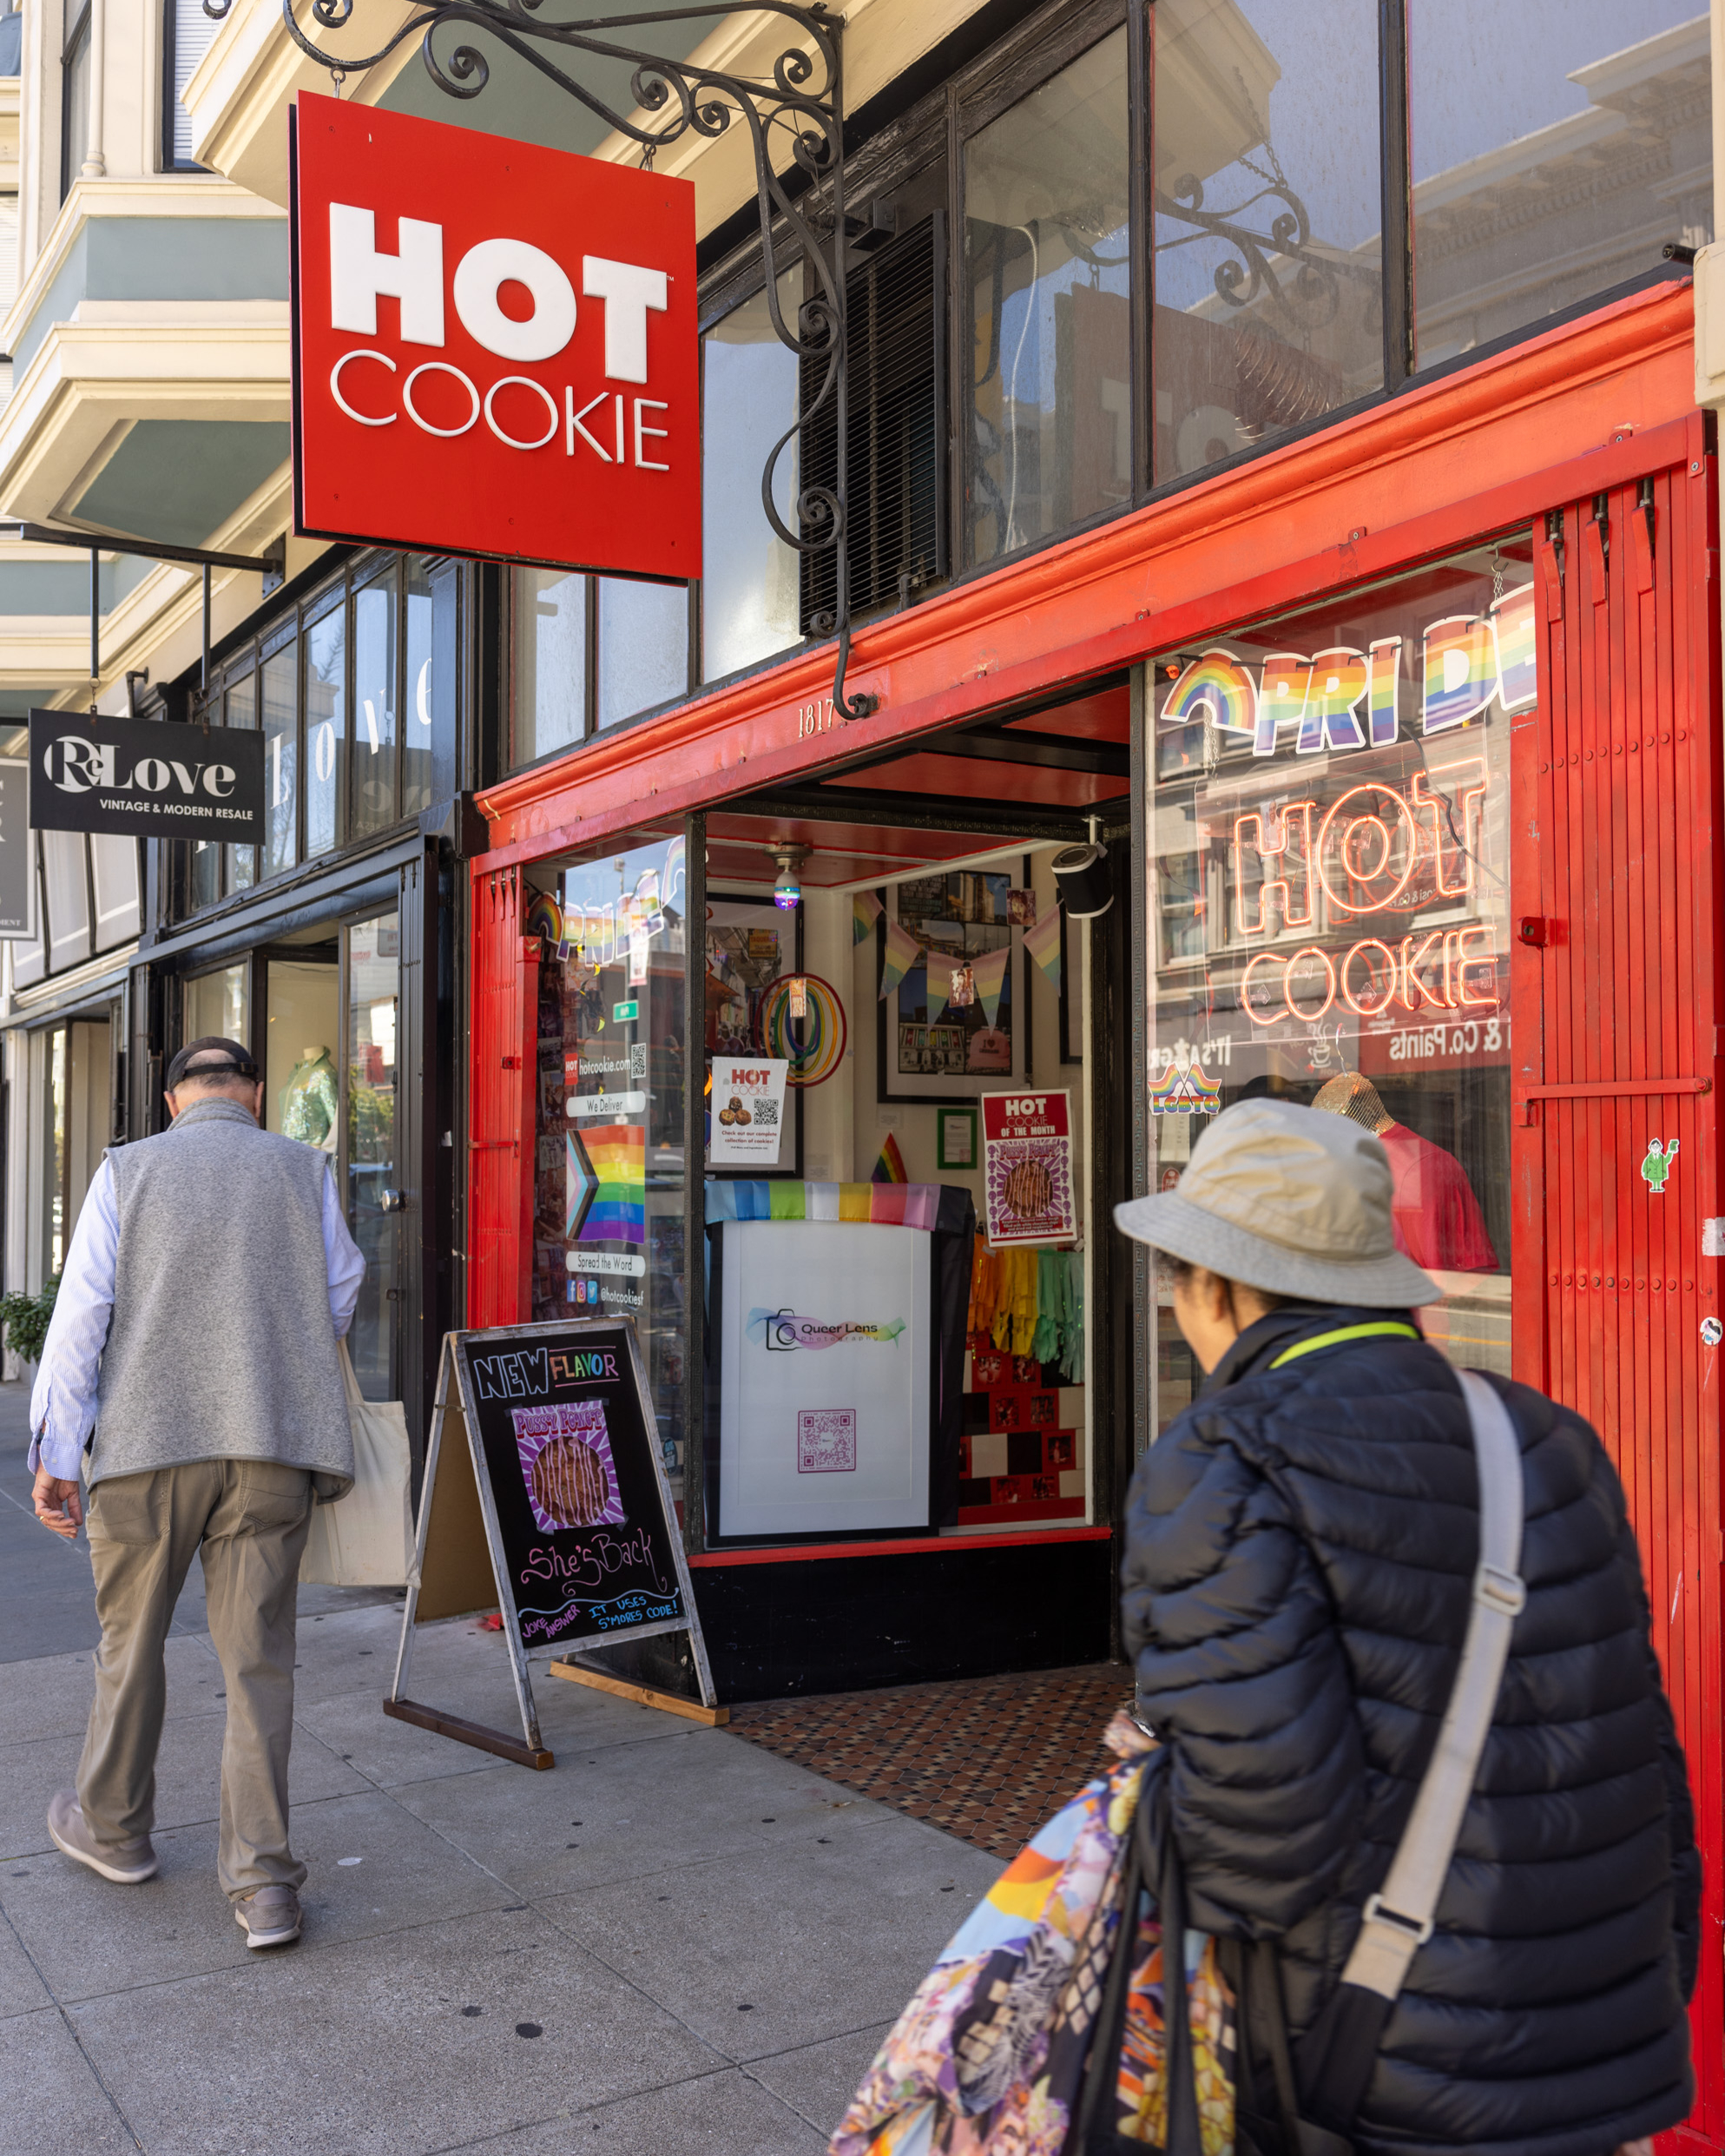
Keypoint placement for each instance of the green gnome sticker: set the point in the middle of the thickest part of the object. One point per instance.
(1657, 1166)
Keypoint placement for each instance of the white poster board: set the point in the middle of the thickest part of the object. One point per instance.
(826, 1384)
(748, 1111)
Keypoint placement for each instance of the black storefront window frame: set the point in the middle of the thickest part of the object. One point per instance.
(290, 625)
(591, 727)
(907, 137)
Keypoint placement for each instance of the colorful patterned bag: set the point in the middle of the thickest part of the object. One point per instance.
(990, 2057)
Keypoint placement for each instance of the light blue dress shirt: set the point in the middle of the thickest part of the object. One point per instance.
(62, 1405)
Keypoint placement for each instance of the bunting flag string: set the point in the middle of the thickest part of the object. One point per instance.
(1044, 941)
(988, 971)
(865, 910)
(902, 953)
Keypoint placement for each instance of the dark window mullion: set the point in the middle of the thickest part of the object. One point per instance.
(1141, 227)
(1397, 218)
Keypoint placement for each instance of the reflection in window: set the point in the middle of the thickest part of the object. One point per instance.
(418, 756)
(1539, 183)
(219, 1004)
(1268, 306)
(281, 763)
(374, 988)
(748, 594)
(325, 725)
(206, 874)
(372, 774)
(243, 710)
(549, 676)
(644, 646)
(1046, 190)
(1329, 915)
(607, 1168)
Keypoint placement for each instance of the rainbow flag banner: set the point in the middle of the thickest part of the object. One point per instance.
(865, 910)
(1042, 941)
(987, 970)
(926, 1205)
(890, 1167)
(1182, 1090)
(902, 953)
(616, 1171)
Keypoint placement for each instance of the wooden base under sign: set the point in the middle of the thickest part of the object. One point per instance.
(643, 1695)
(474, 1733)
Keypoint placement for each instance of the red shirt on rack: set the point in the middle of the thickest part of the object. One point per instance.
(1435, 1215)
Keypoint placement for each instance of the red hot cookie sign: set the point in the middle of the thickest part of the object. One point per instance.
(495, 348)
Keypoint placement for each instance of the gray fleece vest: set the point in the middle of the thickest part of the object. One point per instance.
(220, 1345)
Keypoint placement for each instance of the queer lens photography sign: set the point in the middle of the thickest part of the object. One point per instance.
(582, 1514)
(146, 778)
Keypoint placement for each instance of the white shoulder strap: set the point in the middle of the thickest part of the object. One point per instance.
(1399, 1921)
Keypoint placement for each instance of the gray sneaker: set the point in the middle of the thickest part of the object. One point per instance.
(269, 1917)
(127, 1862)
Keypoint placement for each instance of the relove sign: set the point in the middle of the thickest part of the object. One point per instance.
(145, 778)
(495, 346)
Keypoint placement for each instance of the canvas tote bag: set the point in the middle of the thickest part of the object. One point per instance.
(365, 1539)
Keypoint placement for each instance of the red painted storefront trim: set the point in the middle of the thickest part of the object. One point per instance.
(1437, 468)
(805, 1553)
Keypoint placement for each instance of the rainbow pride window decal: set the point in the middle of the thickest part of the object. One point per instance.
(607, 1184)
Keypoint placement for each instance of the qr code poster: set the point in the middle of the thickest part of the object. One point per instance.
(826, 1441)
(747, 1110)
(1027, 1167)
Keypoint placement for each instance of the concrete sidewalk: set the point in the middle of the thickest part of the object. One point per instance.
(673, 1941)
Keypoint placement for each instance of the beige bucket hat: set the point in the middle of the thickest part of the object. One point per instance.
(1288, 1199)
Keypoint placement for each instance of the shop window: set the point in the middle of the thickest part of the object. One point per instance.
(1329, 906)
(326, 725)
(1267, 208)
(219, 1004)
(608, 1187)
(749, 589)
(1048, 276)
(240, 708)
(373, 955)
(66, 874)
(644, 646)
(419, 717)
(896, 467)
(281, 757)
(1542, 179)
(372, 750)
(114, 886)
(549, 673)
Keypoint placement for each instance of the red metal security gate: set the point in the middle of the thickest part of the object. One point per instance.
(500, 1122)
(1615, 1015)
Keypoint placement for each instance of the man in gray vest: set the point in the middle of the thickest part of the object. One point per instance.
(192, 1353)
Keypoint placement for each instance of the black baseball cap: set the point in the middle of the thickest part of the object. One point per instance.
(238, 1063)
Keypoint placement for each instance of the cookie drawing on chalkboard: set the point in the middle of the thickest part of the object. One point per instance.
(566, 1463)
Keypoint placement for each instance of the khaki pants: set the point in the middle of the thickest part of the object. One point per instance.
(250, 1519)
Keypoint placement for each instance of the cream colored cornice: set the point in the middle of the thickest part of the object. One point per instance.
(240, 92)
(88, 380)
(162, 194)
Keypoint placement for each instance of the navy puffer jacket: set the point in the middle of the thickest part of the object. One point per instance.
(1301, 1547)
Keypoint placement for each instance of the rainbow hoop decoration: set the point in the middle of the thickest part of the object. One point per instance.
(824, 1029)
(545, 918)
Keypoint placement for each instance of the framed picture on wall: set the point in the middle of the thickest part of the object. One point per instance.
(1071, 988)
(955, 1140)
(955, 1023)
(749, 944)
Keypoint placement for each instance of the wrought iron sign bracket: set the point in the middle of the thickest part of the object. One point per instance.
(796, 108)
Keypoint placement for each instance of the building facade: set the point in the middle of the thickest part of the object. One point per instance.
(1286, 471)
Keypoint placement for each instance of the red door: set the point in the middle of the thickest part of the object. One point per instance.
(1615, 886)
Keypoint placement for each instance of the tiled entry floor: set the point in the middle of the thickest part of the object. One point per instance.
(988, 1758)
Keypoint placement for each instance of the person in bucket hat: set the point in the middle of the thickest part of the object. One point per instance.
(1300, 1544)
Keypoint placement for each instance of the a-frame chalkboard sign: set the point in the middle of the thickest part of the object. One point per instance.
(555, 1506)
